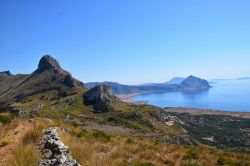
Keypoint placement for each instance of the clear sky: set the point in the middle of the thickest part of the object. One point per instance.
(128, 41)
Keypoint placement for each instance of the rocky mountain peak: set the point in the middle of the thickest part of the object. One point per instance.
(47, 62)
(101, 94)
(6, 73)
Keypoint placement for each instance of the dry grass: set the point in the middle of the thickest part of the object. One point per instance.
(35, 134)
(24, 149)
(92, 148)
(23, 155)
(120, 152)
(8, 127)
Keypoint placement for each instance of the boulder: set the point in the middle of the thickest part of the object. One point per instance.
(100, 94)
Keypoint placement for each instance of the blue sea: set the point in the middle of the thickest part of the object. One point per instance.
(226, 95)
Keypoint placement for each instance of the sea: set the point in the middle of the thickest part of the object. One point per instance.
(226, 95)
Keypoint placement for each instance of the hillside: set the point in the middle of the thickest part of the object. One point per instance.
(49, 76)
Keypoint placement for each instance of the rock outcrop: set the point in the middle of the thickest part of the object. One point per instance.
(49, 63)
(180, 140)
(5, 74)
(101, 94)
(196, 83)
(54, 151)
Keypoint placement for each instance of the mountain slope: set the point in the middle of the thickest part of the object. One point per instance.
(175, 80)
(48, 76)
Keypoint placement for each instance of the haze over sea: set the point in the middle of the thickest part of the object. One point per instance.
(226, 95)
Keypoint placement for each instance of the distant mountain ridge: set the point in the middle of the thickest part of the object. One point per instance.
(176, 84)
(176, 80)
(117, 88)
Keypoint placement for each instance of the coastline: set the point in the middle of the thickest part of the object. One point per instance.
(128, 98)
(196, 111)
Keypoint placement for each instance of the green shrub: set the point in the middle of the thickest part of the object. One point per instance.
(75, 124)
(80, 134)
(192, 164)
(6, 119)
(129, 141)
(83, 133)
(103, 108)
(220, 161)
(5, 141)
(144, 164)
(191, 155)
(102, 135)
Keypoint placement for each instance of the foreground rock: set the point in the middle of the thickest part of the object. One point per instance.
(54, 151)
(101, 94)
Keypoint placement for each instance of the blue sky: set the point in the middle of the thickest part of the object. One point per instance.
(128, 41)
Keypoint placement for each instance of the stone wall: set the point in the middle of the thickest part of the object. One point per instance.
(54, 151)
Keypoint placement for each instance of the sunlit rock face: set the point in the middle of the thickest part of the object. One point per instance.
(101, 94)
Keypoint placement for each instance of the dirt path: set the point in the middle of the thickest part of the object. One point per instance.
(15, 135)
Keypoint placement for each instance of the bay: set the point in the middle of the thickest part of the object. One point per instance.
(226, 95)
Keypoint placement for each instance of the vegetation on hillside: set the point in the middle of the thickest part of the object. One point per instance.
(226, 132)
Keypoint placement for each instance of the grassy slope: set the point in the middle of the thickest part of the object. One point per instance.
(97, 148)
(121, 115)
(91, 147)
